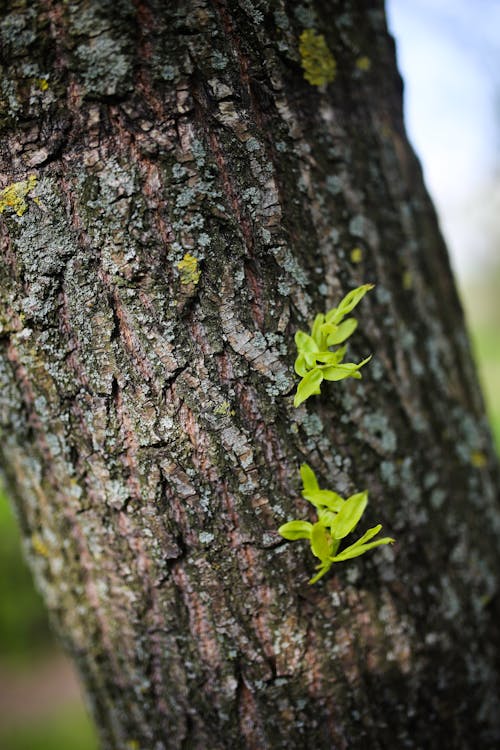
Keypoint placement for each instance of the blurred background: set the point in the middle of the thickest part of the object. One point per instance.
(449, 56)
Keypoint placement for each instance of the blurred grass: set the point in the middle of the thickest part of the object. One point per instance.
(66, 730)
(24, 629)
(482, 307)
(25, 643)
(486, 344)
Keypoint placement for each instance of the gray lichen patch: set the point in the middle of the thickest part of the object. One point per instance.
(103, 47)
(377, 426)
(106, 69)
(17, 31)
(44, 240)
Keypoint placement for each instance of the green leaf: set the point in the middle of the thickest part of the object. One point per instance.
(327, 519)
(344, 370)
(347, 304)
(368, 535)
(333, 358)
(340, 372)
(310, 359)
(328, 328)
(305, 343)
(324, 499)
(296, 530)
(351, 299)
(309, 481)
(342, 332)
(355, 550)
(316, 332)
(320, 542)
(364, 361)
(330, 358)
(301, 366)
(331, 316)
(308, 386)
(348, 517)
(324, 568)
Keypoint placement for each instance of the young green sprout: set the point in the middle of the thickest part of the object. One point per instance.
(316, 361)
(337, 518)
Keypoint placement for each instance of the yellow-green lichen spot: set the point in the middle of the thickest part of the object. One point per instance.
(316, 59)
(39, 546)
(224, 409)
(14, 196)
(407, 280)
(356, 255)
(42, 84)
(189, 269)
(363, 63)
(478, 459)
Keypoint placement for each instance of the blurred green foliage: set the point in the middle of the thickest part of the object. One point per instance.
(66, 730)
(25, 639)
(486, 342)
(482, 306)
(24, 629)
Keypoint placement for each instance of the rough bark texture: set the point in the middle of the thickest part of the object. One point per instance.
(147, 423)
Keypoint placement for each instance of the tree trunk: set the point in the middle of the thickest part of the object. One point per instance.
(201, 186)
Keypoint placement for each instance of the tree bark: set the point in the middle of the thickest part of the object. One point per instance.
(197, 200)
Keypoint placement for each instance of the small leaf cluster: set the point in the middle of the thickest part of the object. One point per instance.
(316, 360)
(337, 518)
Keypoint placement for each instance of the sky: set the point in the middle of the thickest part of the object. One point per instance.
(449, 56)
